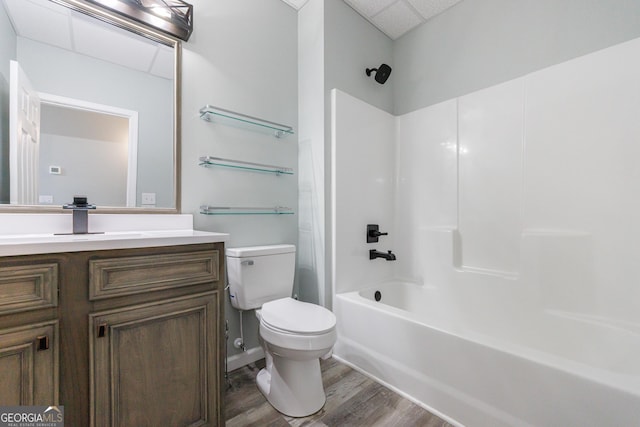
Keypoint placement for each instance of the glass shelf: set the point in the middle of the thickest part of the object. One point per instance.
(207, 161)
(209, 113)
(220, 210)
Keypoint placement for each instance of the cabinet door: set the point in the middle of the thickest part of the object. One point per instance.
(29, 365)
(155, 364)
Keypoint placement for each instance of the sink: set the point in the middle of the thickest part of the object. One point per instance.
(26, 234)
(25, 244)
(53, 238)
(108, 235)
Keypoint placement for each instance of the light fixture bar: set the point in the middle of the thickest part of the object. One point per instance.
(172, 17)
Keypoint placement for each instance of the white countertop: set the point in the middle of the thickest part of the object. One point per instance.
(115, 232)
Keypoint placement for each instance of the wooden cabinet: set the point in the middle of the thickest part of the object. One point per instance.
(29, 344)
(151, 364)
(29, 365)
(135, 337)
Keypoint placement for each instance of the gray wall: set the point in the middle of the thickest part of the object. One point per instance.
(7, 43)
(242, 57)
(92, 150)
(479, 43)
(4, 140)
(336, 46)
(311, 155)
(352, 45)
(7, 53)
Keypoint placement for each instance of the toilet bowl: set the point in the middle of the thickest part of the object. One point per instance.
(294, 334)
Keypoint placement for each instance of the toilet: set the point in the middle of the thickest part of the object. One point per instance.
(295, 334)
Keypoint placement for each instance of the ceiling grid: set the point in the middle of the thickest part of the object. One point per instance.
(393, 17)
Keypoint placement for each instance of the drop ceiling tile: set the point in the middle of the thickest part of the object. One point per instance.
(105, 42)
(296, 4)
(39, 22)
(396, 20)
(430, 8)
(368, 8)
(163, 62)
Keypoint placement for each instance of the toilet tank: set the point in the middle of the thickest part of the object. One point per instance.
(258, 274)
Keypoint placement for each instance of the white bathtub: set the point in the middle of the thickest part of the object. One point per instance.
(481, 366)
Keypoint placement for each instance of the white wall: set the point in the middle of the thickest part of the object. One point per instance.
(477, 44)
(242, 57)
(521, 196)
(363, 176)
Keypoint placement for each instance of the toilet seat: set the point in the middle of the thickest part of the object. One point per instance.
(290, 316)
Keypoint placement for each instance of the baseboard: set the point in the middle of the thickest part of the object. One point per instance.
(242, 359)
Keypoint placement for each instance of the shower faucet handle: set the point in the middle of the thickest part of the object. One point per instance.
(373, 232)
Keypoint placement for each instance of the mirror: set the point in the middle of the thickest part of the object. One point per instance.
(88, 106)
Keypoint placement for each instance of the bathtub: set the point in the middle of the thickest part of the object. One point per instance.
(475, 365)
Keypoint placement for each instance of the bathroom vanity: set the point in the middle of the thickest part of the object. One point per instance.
(121, 328)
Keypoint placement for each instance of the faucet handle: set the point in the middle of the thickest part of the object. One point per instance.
(79, 203)
(373, 232)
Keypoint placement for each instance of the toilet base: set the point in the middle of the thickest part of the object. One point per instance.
(293, 387)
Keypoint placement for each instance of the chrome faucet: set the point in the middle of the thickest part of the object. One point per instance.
(80, 209)
(389, 256)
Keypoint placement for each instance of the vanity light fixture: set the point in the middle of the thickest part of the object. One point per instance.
(172, 17)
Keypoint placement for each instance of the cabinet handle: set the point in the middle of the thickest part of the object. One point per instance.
(102, 330)
(42, 343)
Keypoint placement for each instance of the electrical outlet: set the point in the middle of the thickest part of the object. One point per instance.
(148, 198)
(45, 200)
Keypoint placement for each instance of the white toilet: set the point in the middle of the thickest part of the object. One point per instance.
(295, 334)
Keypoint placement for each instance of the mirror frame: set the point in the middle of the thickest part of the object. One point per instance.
(113, 18)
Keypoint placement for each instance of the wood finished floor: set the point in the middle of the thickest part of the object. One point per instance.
(353, 400)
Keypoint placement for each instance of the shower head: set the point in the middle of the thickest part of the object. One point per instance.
(382, 73)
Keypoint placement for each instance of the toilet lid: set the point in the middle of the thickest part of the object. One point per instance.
(297, 317)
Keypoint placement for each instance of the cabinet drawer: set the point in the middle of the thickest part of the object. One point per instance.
(28, 287)
(111, 277)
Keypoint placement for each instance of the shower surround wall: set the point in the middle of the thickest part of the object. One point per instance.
(519, 200)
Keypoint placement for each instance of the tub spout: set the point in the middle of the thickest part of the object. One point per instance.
(389, 256)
